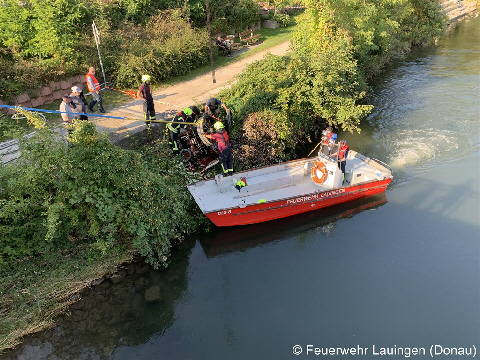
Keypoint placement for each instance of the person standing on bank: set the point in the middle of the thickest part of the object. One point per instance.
(342, 154)
(224, 146)
(145, 93)
(79, 107)
(67, 112)
(94, 89)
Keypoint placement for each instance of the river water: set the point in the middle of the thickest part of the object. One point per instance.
(394, 276)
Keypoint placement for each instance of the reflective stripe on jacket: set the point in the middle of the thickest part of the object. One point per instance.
(180, 117)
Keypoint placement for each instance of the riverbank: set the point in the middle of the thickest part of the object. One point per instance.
(457, 10)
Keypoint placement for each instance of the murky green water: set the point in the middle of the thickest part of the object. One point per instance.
(398, 273)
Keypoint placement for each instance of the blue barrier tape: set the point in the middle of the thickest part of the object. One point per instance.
(61, 112)
(105, 116)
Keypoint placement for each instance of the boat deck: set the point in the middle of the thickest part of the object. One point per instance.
(282, 181)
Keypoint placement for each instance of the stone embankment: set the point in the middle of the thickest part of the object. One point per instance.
(47, 94)
(97, 321)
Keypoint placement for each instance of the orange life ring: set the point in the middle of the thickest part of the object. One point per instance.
(319, 167)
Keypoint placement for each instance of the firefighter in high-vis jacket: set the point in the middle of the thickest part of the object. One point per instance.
(341, 154)
(187, 115)
(224, 146)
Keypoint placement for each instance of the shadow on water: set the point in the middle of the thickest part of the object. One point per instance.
(125, 310)
(138, 304)
(223, 241)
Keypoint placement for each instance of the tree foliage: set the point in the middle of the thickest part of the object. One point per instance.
(336, 47)
(379, 30)
(157, 49)
(47, 40)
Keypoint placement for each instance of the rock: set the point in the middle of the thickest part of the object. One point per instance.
(38, 102)
(97, 281)
(143, 270)
(139, 283)
(116, 278)
(152, 294)
(45, 91)
(22, 98)
(66, 85)
(131, 269)
(58, 95)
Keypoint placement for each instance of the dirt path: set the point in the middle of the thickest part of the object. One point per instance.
(181, 95)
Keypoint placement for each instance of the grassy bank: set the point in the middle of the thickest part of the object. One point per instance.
(33, 296)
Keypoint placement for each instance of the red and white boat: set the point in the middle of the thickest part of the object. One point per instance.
(290, 188)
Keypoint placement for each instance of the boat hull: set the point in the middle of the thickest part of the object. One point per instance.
(257, 213)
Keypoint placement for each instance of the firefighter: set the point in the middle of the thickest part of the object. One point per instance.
(328, 141)
(342, 154)
(187, 115)
(145, 93)
(224, 146)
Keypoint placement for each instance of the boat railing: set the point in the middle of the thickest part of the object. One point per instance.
(377, 164)
(383, 164)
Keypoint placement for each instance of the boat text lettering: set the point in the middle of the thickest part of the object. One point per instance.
(316, 196)
(332, 193)
(224, 212)
(302, 199)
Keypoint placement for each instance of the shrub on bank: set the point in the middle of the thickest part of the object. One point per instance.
(168, 47)
(90, 194)
(300, 94)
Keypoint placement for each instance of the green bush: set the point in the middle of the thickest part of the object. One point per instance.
(377, 30)
(230, 16)
(91, 194)
(283, 19)
(165, 47)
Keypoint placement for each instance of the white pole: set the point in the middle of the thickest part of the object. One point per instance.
(97, 41)
(209, 30)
